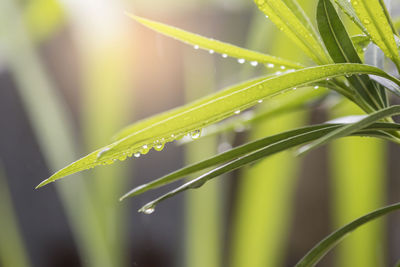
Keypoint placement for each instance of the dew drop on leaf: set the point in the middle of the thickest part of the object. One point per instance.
(195, 134)
(254, 63)
(196, 47)
(241, 60)
(159, 146)
(270, 65)
(237, 112)
(136, 155)
(211, 51)
(224, 55)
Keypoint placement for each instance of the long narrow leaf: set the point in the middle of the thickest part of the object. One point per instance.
(372, 15)
(242, 161)
(166, 127)
(288, 22)
(256, 150)
(351, 128)
(215, 46)
(347, 8)
(317, 252)
(341, 49)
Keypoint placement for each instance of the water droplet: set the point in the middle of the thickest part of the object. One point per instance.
(102, 152)
(364, 49)
(270, 65)
(266, 16)
(237, 112)
(241, 60)
(136, 155)
(195, 134)
(328, 79)
(260, 101)
(158, 146)
(254, 63)
(283, 67)
(316, 87)
(196, 47)
(147, 210)
(294, 88)
(211, 51)
(224, 55)
(278, 72)
(144, 150)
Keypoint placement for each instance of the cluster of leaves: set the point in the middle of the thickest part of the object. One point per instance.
(352, 66)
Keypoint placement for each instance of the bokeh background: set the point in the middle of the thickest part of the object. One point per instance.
(72, 73)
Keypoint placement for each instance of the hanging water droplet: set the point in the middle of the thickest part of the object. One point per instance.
(237, 112)
(158, 146)
(316, 87)
(136, 155)
(260, 101)
(224, 55)
(144, 150)
(211, 51)
(195, 134)
(196, 47)
(241, 60)
(278, 72)
(254, 63)
(266, 16)
(283, 67)
(270, 65)
(147, 210)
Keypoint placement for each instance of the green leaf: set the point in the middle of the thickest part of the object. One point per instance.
(347, 8)
(288, 21)
(341, 50)
(323, 247)
(298, 99)
(216, 46)
(262, 147)
(168, 126)
(372, 15)
(360, 42)
(351, 128)
(252, 152)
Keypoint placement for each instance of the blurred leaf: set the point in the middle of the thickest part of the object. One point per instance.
(287, 20)
(168, 126)
(43, 18)
(12, 249)
(372, 15)
(252, 151)
(341, 50)
(351, 128)
(212, 45)
(323, 247)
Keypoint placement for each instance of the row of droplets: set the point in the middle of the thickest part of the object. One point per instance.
(253, 63)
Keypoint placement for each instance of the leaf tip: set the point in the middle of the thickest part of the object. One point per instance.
(43, 183)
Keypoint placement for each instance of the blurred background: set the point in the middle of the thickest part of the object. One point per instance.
(72, 73)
